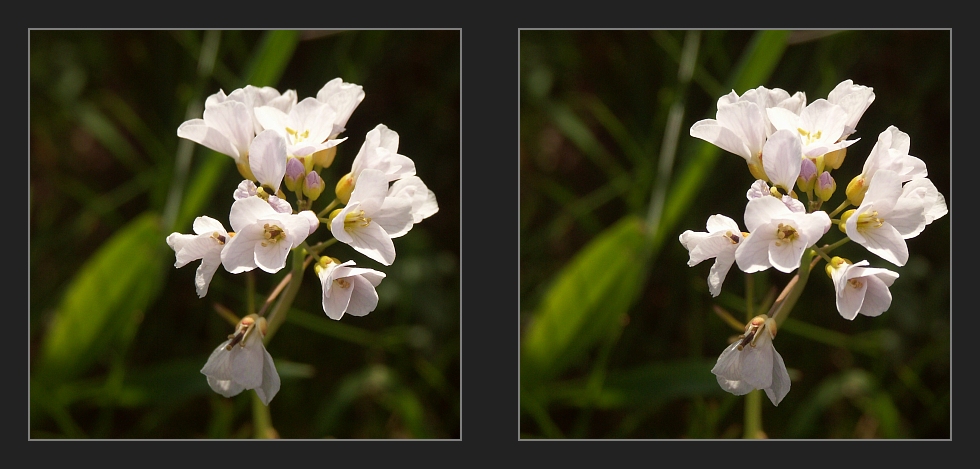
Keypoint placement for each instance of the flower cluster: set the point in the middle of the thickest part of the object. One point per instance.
(278, 143)
(791, 147)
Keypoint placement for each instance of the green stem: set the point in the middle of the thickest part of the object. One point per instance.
(753, 415)
(787, 299)
(261, 419)
(749, 297)
(278, 315)
(327, 209)
(316, 248)
(837, 210)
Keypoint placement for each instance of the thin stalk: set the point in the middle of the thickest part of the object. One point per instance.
(261, 419)
(278, 315)
(753, 415)
(326, 210)
(837, 210)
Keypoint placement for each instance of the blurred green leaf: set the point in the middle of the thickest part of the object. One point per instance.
(586, 302)
(850, 383)
(111, 290)
(646, 387)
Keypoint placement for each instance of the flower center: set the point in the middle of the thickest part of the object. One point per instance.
(732, 237)
(855, 283)
(342, 283)
(273, 234)
(296, 137)
(785, 234)
(218, 237)
(355, 219)
(869, 221)
(809, 137)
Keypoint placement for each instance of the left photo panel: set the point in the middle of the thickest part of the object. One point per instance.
(241, 234)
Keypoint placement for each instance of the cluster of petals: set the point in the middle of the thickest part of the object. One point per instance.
(777, 235)
(371, 219)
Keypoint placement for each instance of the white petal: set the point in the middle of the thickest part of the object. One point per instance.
(878, 298)
(270, 380)
(272, 256)
(205, 272)
(247, 211)
(722, 223)
(785, 256)
(718, 272)
(782, 158)
(218, 365)
(887, 243)
(728, 365)
(370, 190)
(752, 254)
(374, 242)
(267, 158)
(239, 253)
(233, 120)
(747, 121)
(763, 210)
(722, 137)
(395, 216)
(780, 380)
(225, 387)
(364, 297)
(757, 363)
(208, 225)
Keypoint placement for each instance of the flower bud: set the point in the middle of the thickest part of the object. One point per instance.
(333, 214)
(313, 185)
(834, 159)
(295, 172)
(345, 186)
(856, 189)
(324, 158)
(825, 186)
(808, 174)
(834, 264)
(843, 219)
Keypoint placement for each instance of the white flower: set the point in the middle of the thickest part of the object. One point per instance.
(226, 128)
(253, 97)
(860, 289)
(741, 124)
(890, 214)
(752, 362)
(241, 362)
(307, 127)
(777, 235)
(380, 151)
(424, 203)
(719, 242)
(263, 236)
(371, 218)
(854, 99)
(820, 126)
(347, 289)
(206, 245)
(267, 159)
(343, 98)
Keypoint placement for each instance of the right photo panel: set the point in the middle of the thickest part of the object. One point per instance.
(735, 234)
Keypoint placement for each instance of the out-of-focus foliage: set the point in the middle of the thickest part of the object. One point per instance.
(118, 335)
(596, 139)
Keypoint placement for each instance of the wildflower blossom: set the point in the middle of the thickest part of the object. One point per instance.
(242, 362)
(719, 242)
(860, 289)
(206, 245)
(752, 362)
(347, 289)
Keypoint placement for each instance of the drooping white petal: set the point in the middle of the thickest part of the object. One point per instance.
(780, 380)
(205, 272)
(877, 298)
(270, 379)
(850, 296)
(719, 270)
(364, 297)
(267, 158)
(782, 157)
(728, 365)
(757, 362)
(225, 387)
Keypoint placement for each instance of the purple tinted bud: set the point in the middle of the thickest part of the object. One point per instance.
(808, 172)
(294, 173)
(313, 185)
(825, 186)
